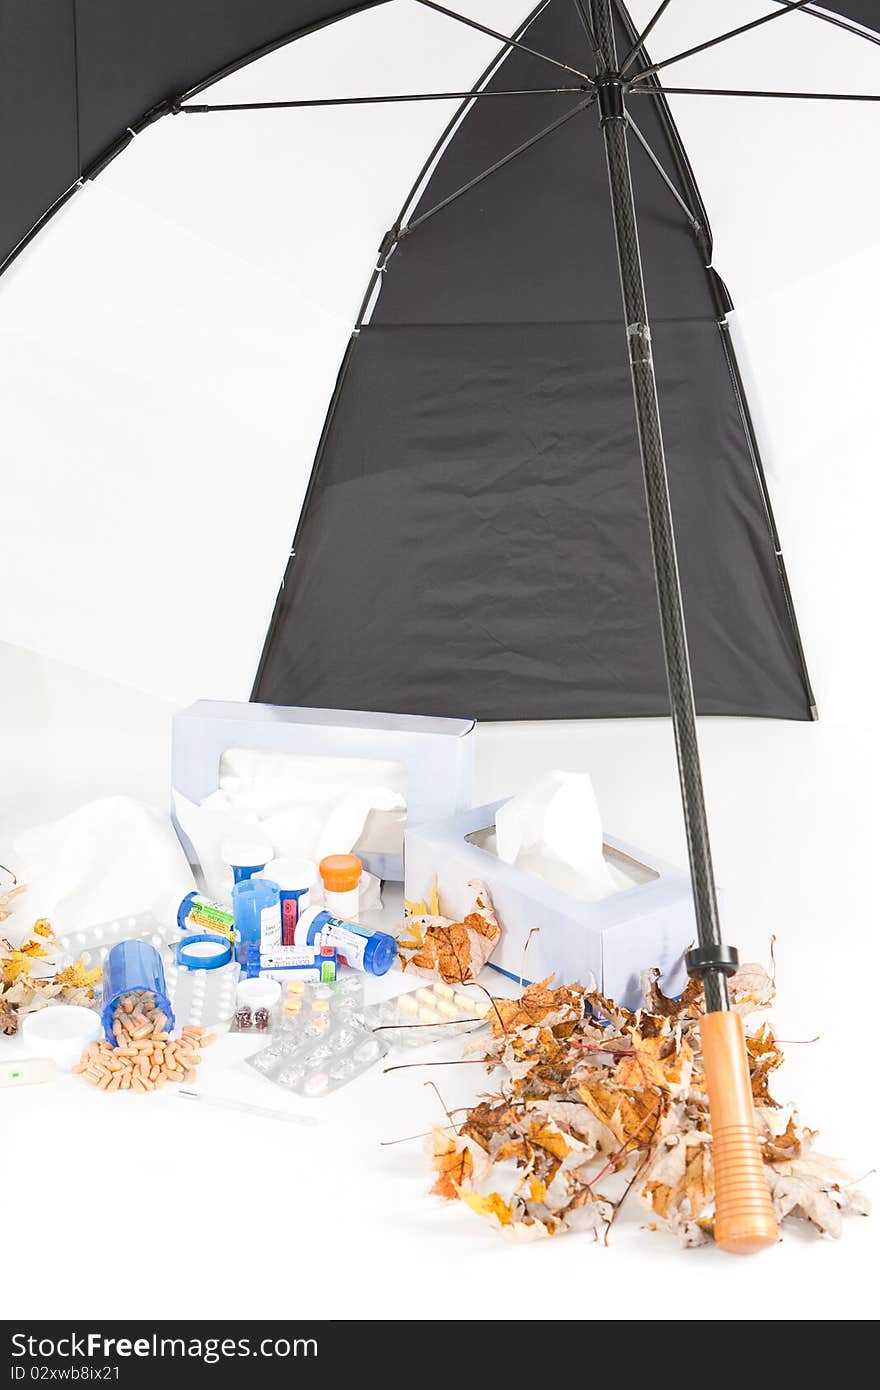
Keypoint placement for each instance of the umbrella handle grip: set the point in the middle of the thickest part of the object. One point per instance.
(744, 1219)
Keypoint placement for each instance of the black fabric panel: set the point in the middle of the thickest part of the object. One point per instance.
(865, 12)
(535, 241)
(129, 55)
(132, 56)
(477, 541)
(38, 155)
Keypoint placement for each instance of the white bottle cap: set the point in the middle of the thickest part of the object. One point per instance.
(245, 849)
(292, 875)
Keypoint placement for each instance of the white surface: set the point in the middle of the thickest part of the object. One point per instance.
(790, 805)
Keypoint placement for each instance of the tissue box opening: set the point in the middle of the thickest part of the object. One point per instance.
(626, 871)
(269, 781)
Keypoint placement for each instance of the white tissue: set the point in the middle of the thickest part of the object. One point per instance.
(108, 859)
(303, 816)
(554, 830)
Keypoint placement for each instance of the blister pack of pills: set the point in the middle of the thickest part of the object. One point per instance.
(93, 943)
(429, 1014)
(307, 1002)
(315, 1062)
(204, 998)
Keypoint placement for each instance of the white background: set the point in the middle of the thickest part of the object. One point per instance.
(168, 347)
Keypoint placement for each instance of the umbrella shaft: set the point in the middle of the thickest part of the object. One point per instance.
(678, 673)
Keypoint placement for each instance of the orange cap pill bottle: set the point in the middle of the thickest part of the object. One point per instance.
(341, 876)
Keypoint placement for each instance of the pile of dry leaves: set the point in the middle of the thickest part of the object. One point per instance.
(599, 1102)
(29, 976)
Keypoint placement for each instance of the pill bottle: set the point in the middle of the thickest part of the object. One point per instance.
(246, 854)
(133, 967)
(363, 948)
(198, 913)
(295, 878)
(308, 963)
(256, 912)
(341, 876)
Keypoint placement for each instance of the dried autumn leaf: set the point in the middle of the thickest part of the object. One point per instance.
(6, 900)
(538, 1004)
(486, 1122)
(624, 1112)
(816, 1188)
(8, 1016)
(687, 1005)
(656, 1062)
(456, 951)
(78, 976)
(750, 988)
(492, 1205)
(15, 966)
(453, 1162)
(549, 1138)
(33, 949)
(764, 1058)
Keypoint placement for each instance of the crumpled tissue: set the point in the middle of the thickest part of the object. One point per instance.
(306, 810)
(108, 859)
(553, 829)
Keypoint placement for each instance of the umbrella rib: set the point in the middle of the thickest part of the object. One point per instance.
(493, 168)
(695, 223)
(591, 37)
(748, 92)
(840, 23)
(630, 57)
(504, 38)
(722, 38)
(306, 102)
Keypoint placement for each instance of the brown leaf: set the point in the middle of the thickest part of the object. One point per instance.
(656, 1062)
(764, 1058)
(550, 1139)
(456, 951)
(537, 1004)
(624, 1112)
(750, 988)
(485, 1121)
(688, 1004)
(453, 1162)
(817, 1189)
(8, 1016)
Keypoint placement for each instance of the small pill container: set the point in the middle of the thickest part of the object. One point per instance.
(295, 878)
(256, 911)
(133, 967)
(341, 876)
(246, 855)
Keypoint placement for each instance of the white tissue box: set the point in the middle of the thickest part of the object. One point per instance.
(436, 755)
(649, 924)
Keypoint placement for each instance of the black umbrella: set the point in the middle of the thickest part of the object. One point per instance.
(90, 77)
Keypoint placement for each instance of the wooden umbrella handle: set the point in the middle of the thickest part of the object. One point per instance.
(744, 1219)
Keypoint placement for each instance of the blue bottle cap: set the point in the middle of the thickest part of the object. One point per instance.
(202, 951)
(380, 954)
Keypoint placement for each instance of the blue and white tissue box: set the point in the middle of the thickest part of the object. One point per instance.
(609, 942)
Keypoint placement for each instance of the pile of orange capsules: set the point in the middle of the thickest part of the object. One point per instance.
(145, 1055)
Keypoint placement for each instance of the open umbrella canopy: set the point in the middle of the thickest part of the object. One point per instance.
(280, 214)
